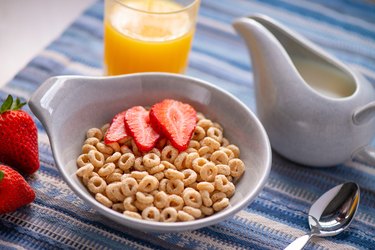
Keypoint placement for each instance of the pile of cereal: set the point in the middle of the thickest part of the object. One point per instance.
(163, 184)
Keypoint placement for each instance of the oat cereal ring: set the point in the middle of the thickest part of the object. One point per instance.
(126, 141)
(150, 160)
(237, 167)
(192, 198)
(200, 116)
(91, 141)
(160, 200)
(155, 151)
(175, 186)
(117, 170)
(169, 153)
(175, 201)
(163, 185)
(118, 207)
(104, 128)
(114, 177)
(113, 192)
(141, 206)
(94, 132)
(219, 157)
(174, 174)
(157, 169)
(159, 176)
(183, 216)
(217, 125)
(106, 169)
(205, 123)
(231, 190)
(208, 171)
(168, 214)
(223, 169)
(115, 146)
(86, 178)
(205, 150)
(221, 204)
(96, 184)
(190, 176)
(194, 144)
(138, 175)
(222, 184)
(138, 164)
(96, 158)
(212, 143)
(190, 158)
(129, 204)
(231, 179)
(179, 162)
(198, 163)
(204, 185)
(144, 198)
(191, 150)
(87, 147)
(129, 186)
(103, 200)
(113, 158)
(217, 195)
(133, 214)
(224, 142)
(168, 165)
(126, 161)
(206, 200)
(151, 213)
(85, 170)
(199, 133)
(234, 149)
(125, 149)
(195, 212)
(215, 133)
(148, 184)
(104, 148)
(228, 152)
(207, 210)
(82, 160)
(135, 149)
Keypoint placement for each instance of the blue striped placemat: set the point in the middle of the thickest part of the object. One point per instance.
(59, 219)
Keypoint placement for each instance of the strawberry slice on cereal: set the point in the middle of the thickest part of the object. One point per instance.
(175, 120)
(137, 123)
(116, 131)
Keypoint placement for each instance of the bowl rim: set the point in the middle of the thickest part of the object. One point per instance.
(152, 225)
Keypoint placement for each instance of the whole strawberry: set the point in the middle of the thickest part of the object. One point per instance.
(18, 137)
(15, 192)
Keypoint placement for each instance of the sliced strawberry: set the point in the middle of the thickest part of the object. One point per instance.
(137, 123)
(116, 131)
(175, 120)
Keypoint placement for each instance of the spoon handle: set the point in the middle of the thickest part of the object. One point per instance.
(299, 243)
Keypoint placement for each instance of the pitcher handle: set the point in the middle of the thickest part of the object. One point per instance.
(364, 114)
(365, 155)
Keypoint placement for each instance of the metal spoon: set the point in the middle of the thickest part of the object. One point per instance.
(331, 213)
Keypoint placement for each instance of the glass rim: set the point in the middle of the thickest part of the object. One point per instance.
(189, 6)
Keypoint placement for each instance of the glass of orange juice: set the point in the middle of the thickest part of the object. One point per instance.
(148, 35)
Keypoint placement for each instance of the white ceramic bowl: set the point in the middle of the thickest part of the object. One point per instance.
(69, 105)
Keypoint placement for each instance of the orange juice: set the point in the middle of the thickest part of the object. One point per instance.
(157, 37)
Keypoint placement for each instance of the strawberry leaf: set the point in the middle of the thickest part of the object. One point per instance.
(10, 104)
(7, 104)
(1, 175)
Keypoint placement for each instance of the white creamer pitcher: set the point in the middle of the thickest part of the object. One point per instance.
(315, 109)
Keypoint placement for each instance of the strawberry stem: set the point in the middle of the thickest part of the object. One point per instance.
(10, 104)
(1, 175)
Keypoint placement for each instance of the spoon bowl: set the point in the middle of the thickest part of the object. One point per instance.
(331, 214)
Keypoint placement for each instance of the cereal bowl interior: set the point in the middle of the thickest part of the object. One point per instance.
(69, 105)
